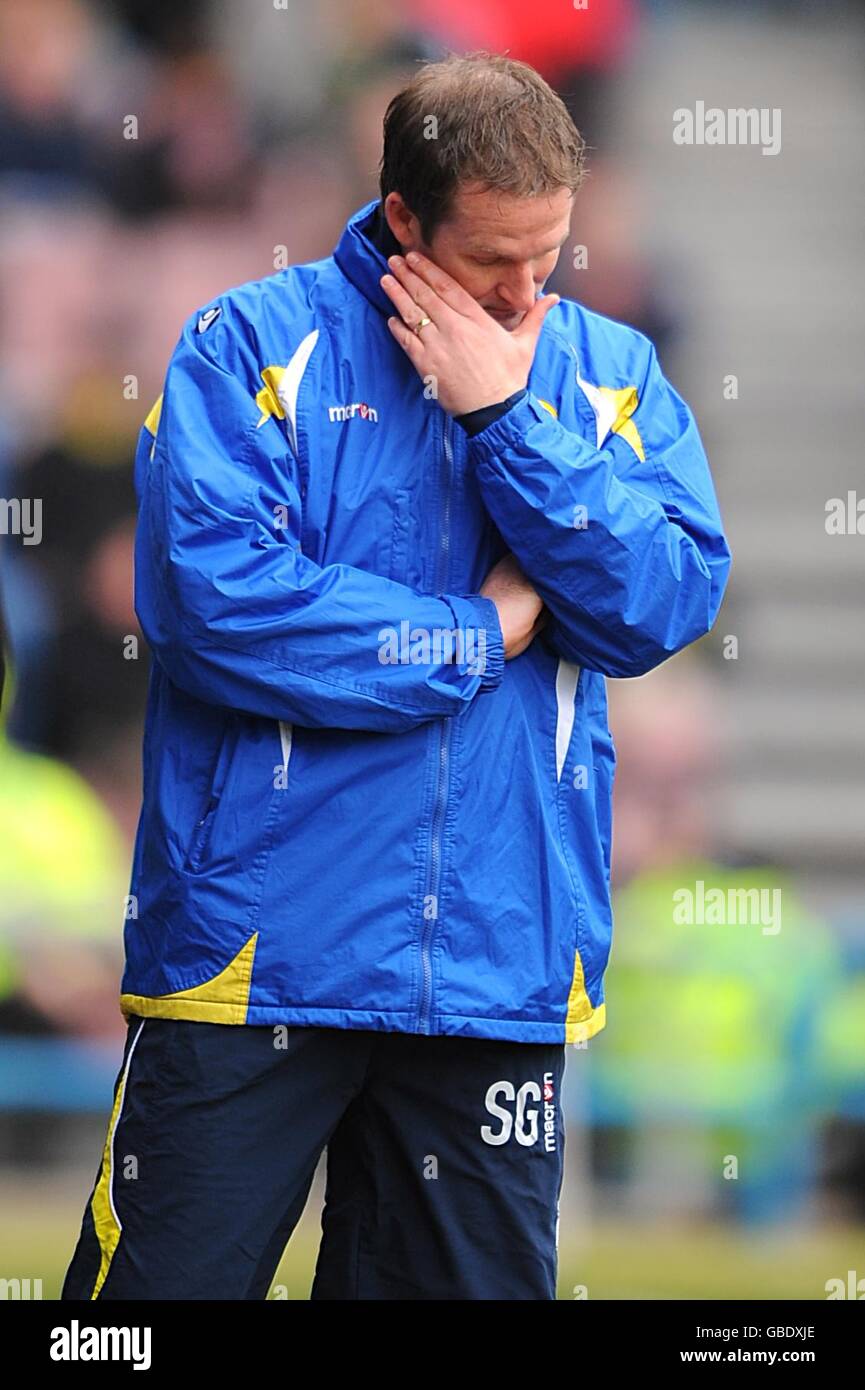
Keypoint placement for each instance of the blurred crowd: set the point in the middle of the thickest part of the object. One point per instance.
(153, 153)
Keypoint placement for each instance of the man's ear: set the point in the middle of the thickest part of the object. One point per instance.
(402, 222)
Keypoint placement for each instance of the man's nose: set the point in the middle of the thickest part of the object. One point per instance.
(519, 289)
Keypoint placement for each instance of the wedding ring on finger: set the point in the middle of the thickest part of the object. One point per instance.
(419, 327)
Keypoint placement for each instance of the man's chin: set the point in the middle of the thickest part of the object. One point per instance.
(508, 321)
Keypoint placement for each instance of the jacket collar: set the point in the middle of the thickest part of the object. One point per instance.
(361, 261)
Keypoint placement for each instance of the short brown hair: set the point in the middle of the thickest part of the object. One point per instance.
(482, 118)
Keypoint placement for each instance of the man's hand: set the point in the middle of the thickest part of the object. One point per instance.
(521, 611)
(474, 361)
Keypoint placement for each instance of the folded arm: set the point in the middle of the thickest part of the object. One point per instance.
(234, 611)
(624, 544)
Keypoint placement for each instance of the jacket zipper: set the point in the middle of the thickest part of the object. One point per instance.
(444, 742)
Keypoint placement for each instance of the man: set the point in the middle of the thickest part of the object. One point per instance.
(398, 520)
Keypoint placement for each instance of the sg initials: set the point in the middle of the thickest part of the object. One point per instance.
(523, 1122)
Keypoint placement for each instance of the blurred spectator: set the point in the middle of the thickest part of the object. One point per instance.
(80, 673)
(47, 50)
(63, 880)
(718, 1048)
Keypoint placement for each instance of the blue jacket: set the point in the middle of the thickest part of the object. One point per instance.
(355, 814)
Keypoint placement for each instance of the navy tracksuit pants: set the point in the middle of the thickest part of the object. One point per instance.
(444, 1165)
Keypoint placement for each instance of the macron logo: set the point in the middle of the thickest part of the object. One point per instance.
(347, 412)
(207, 318)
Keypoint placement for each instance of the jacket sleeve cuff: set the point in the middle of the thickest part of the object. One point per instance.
(477, 618)
(477, 420)
(508, 429)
